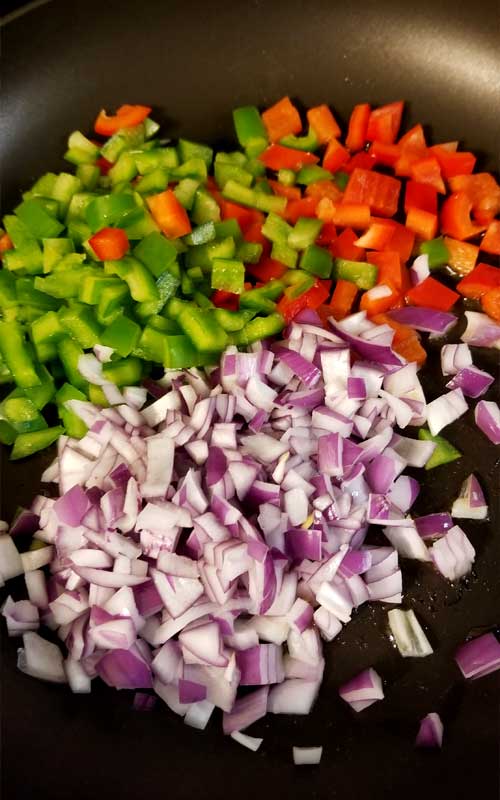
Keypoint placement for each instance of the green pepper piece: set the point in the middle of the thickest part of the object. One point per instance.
(436, 251)
(43, 394)
(286, 177)
(249, 197)
(308, 143)
(164, 158)
(276, 229)
(152, 345)
(194, 168)
(21, 413)
(122, 335)
(205, 208)
(444, 452)
(65, 187)
(124, 169)
(17, 356)
(54, 250)
(233, 321)
(188, 150)
(89, 175)
(203, 255)
(111, 302)
(156, 252)
(47, 329)
(185, 192)
(40, 223)
(75, 427)
(341, 179)
(203, 329)
(28, 443)
(364, 275)
(304, 233)
(80, 149)
(167, 285)
(7, 433)
(228, 275)
(201, 234)
(317, 260)
(124, 139)
(69, 352)
(62, 285)
(28, 295)
(248, 125)
(224, 172)
(285, 254)
(8, 294)
(79, 321)
(249, 252)
(228, 228)
(124, 372)
(44, 186)
(5, 373)
(259, 328)
(112, 209)
(180, 353)
(312, 173)
(137, 277)
(152, 183)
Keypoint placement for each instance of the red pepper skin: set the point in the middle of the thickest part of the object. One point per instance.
(380, 192)
(432, 294)
(6, 243)
(481, 280)
(281, 119)
(306, 207)
(427, 170)
(453, 163)
(227, 300)
(455, 217)
(343, 298)
(491, 239)
(335, 156)
(126, 117)
(422, 196)
(169, 214)
(358, 126)
(483, 192)
(109, 244)
(266, 270)
(276, 157)
(490, 303)
(422, 223)
(384, 123)
(344, 247)
(323, 123)
(104, 165)
(316, 296)
(386, 154)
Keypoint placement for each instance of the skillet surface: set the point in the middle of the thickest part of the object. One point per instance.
(61, 62)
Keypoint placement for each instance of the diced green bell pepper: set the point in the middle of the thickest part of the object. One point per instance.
(69, 352)
(226, 228)
(7, 433)
(164, 158)
(89, 176)
(308, 143)
(185, 192)
(112, 209)
(249, 252)
(154, 182)
(364, 275)
(228, 275)
(28, 443)
(205, 208)
(8, 294)
(180, 353)
(304, 233)
(79, 321)
(21, 413)
(194, 168)
(201, 234)
(124, 169)
(312, 173)
(444, 452)
(203, 329)
(286, 177)
(259, 328)
(122, 335)
(436, 251)
(124, 139)
(248, 125)
(341, 179)
(156, 252)
(203, 255)
(137, 277)
(276, 229)
(28, 295)
(125, 372)
(317, 261)
(65, 186)
(17, 356)
(74, 426)
(188, 150)
(285, 254)
(54, 250)
(167, 285)
(249, 197)
(112, 299)
(233, 321)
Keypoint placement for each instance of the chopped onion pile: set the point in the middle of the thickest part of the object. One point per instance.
(208, 541)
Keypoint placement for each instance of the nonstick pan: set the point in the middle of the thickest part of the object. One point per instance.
(194, 62)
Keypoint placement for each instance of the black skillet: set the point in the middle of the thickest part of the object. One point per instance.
(194, 62)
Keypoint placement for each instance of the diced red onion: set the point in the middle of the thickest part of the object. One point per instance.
(446, 409)
(433, 526)
(455, 357)
(363, 690)
(419, 270)
(430, 733)
(424, 319)
(470, 504)
(40, 659)
(307, 755)
(246, 710)
(250, 742)
(453, 554)
(481, 331)
(472, 381)
(409, 636)
(487, 416)
(479, 656)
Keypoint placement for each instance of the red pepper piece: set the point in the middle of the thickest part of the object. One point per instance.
(306, 207)
(481, 280)
(169, 214)
(109, 244)
(266, 270)
(491, 239)
(276, 157)
(343, 298)
(430, 293)
(453, 163)
(483, 192)
(335, 156)
(455, 217)
(380, 192)
(126, 117)
(281, 119)
(421, 195)
(358, 126)
(323, 124)
(384, 123)
(427, 170)
(422, 223)
(227, 300)
(344, 247)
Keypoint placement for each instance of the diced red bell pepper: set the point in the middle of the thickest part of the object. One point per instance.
(422, 223)
(406, 341)
(254, 234)
(343, 298)
(491, 303)
(384, 123)
(427, 170)
(415, 138)
(245, 217)
(109, 244)
(482, 279)
(363, 160)
(345, 215)
(306, 207)
(126, 117)
(453, 163)
(324, 188)
(227, 300)
(386, 154)
(380, 192)
(318, 294)
(401, 241)
(266, 270)
(323, 124)
(430, 293)
(376, 237)
(276, 157)
(491, 239)
(462, 256)
(327, 234)
(422, 196)
(290, 192)
(6, 243)
(484, 194)
(449, 147)
(344, 247)
(169, 214)
(413, 147)
(455, 217)
(104, 165)
(378, 305)
(289, 307)
(390, 270)
(335, 156)
(358, 126)
(281, 119)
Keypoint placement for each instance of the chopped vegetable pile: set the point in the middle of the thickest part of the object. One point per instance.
(235, 361)
(164, 255)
